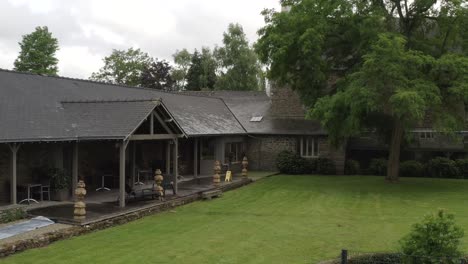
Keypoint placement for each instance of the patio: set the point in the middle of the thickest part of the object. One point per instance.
(102, 205)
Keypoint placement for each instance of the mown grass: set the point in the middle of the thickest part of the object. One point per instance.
(281, 219)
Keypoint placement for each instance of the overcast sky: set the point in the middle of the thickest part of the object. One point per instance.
(88, 30)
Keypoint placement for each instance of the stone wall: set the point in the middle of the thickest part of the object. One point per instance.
(338, 155)
(263, 150)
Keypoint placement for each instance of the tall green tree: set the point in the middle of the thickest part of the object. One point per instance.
(123, 67)
(182, 60)
(37, 54)
(240, 69)
(378, 65)
(202, 72)
(157, 75)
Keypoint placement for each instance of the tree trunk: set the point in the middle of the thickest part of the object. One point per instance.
(393, 165)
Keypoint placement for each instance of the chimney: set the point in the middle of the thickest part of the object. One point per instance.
(285, 103)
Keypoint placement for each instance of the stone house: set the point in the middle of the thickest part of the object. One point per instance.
(91, 130)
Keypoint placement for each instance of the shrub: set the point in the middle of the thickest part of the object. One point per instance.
(378, 167)
(11, 215)
(291, 163)
(59, 179)
(462, 165)
(352, 167)
(326, 166)
(436, 237)
(411, 168)
(442, 168)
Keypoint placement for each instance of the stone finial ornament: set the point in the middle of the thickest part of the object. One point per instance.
(158, 179)
(80, 206)
(217, 171)
(245, 163)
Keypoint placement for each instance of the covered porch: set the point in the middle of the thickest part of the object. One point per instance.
(108, 165)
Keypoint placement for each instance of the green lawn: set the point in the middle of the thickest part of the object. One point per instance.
(280, 219)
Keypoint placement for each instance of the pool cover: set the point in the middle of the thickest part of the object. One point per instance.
(23, 227)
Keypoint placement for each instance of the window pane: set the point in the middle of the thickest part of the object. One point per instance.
(310, 141)
(304, 147)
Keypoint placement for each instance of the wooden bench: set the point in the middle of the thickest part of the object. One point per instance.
(208, 195)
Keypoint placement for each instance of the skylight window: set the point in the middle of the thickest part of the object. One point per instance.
(256, 118)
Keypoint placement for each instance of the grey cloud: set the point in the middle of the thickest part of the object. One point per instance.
(193, 24)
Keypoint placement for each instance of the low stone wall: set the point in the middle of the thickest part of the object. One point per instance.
(88, 227)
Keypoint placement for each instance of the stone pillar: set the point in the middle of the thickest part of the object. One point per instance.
(158, 179)
(245, 163)
(80, 205)
(217, 171)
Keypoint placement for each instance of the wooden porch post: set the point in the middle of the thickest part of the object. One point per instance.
(74, 169)
(195, 158)
(122, 147)
(14, 153)
(133, 162)
(176, 164)
(168, 158)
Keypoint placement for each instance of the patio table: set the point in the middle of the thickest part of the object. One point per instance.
(103, 186)
(30, 199)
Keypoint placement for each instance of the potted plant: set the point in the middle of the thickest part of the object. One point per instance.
(60, 184)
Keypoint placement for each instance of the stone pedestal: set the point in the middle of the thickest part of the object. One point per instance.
(217, 171)
(158, 179)
(80, 206)
(245, 163)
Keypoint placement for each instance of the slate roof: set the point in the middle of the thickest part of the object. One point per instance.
(97, 120)
(35, 108)
(247, 104)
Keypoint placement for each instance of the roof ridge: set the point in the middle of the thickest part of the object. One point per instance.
(110, 101)
(103, 83)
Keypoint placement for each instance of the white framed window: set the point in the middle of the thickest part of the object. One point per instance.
(426, 135)
(309, 147)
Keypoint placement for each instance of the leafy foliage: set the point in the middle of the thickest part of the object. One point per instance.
(202, 72)
(411, 168)
(352, 167)
(353, 61)
(378, 167)
(291, 163)
(462, 165)
(437, 238)
(59, 179)
(37, 54)
(240, 69)
(10, 215)
(182, 60)
(157, 75)
(123, 67)
(441, 167)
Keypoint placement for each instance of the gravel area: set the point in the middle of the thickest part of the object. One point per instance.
(33, 233)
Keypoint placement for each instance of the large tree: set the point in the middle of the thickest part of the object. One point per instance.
(123, 67)
(202, 72)
(157, 75)
(372, 65)
(37, 54)
(182, 60)
(240, 69)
